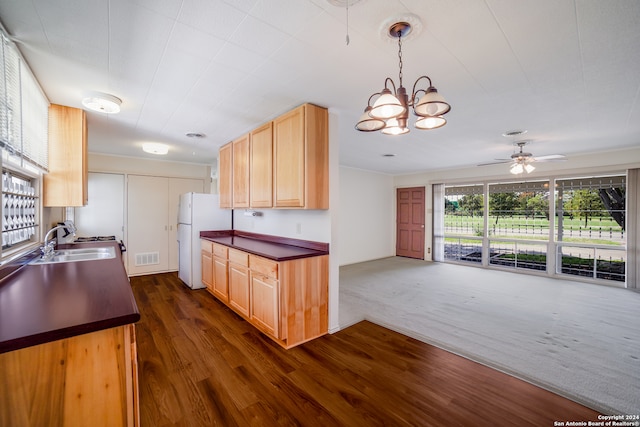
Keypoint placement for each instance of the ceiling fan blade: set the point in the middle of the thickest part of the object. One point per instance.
(497, 162)
(551, 158)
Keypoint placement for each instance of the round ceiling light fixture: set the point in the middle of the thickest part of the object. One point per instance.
(102, 102)
(155, 148)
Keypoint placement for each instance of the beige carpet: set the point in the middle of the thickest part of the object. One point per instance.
(579, 340)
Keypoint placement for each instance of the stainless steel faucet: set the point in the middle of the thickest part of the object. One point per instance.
(47, 247)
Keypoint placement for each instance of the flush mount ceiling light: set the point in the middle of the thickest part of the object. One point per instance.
(155, 148)
(102, 102)
(390, 111)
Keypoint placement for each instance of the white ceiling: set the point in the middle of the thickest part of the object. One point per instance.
(567, 71)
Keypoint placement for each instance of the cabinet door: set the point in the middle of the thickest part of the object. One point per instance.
(225, 176)
(221, 279)
(289, 159)
(241, 172)
(207, 270)
(261, 167)
(239, 282)
(148, 242)
(66, 182)
(265, 308)
(178, 186)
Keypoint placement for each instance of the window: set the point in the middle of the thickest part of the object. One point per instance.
(20, 210)
(590, 229)
(519, 224)
(578, 229)
(23, 149)
(464, 223)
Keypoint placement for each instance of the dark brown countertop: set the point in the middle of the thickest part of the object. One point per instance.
(48, 302)
(272, 247)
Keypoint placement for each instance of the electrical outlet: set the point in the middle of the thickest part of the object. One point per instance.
(298, 228)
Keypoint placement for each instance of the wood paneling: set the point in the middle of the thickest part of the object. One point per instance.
(304, 299)
(203, 365)
(79, 381)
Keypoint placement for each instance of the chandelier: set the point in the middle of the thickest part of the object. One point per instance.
(390, 112)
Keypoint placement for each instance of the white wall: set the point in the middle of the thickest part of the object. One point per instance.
(296, 224)
(140, 166)
(367, 216)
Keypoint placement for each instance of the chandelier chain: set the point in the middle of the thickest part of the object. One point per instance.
(400, 56)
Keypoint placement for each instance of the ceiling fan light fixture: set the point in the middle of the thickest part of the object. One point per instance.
(102, 103)
(528, 167)
(516, 168)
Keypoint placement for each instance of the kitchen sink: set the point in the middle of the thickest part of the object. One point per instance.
(74, 255)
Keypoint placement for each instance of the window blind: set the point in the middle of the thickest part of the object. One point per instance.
(23, 110)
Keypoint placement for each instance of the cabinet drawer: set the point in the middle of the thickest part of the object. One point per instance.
(206, 245)
(220, 250)
(263, 266)
(238, 257)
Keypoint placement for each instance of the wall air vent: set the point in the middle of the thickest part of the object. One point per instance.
(148, 258)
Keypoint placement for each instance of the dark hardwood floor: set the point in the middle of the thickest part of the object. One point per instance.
(202, 365)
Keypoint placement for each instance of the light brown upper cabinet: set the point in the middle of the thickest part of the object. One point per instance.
(301, 159)
(282, 164)
(261, 167)
(225, 177)
(241, 172)
(66, 182)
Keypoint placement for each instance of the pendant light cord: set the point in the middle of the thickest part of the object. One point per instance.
(400, 56)
(347, 22)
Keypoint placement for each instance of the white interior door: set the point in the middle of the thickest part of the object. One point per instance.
(147, 219)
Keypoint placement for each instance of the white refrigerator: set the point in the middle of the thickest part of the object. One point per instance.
(197, 212)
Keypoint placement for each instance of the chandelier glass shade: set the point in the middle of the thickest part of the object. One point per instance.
(390, 111)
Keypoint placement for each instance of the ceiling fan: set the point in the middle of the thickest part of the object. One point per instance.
(521, 161)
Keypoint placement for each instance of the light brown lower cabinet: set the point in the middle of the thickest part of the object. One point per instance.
(239, 282)
(220, 272)
(206, 257)
(287, 300)
(86, 380)
(265, 290)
